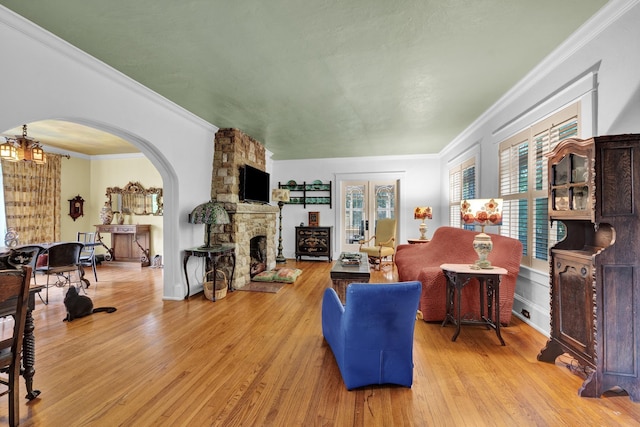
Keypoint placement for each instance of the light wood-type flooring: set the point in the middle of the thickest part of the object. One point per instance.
(259, 359)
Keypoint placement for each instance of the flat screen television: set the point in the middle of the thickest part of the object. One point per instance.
(254, 185)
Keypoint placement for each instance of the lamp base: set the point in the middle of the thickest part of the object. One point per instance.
(423, 231)
(281, 259)
(483, 245)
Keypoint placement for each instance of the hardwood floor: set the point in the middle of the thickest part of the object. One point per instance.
(259, 359)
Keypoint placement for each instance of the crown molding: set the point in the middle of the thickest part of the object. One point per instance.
(55, 43)
(587, 32)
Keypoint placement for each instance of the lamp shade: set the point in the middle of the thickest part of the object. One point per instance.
(424, 212)
(209, 213)
(481, 211)
(280, 195)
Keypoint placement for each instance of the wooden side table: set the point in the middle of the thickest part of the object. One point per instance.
(212, 257)
(458, 275)
(417, 241)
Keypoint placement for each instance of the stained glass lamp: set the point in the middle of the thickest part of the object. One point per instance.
(209, 213)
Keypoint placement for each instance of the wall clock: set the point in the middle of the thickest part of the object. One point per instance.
(76, 207)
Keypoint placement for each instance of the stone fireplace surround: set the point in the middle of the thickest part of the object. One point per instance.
(234, 149)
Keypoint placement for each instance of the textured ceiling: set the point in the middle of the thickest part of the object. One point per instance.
(322, 78)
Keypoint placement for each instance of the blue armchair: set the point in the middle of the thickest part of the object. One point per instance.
(371, 336)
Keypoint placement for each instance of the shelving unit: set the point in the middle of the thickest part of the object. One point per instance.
(314, 193)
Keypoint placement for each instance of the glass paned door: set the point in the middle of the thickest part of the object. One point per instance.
(364, 202)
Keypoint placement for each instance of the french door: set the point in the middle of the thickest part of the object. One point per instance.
(363, 204)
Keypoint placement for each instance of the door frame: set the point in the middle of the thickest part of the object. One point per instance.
(398, 176)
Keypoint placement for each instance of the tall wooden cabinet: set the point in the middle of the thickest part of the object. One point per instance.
(594, 190)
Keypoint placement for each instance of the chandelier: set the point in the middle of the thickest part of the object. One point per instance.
(22, 148)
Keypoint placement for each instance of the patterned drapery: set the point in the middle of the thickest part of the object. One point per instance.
(32, 199)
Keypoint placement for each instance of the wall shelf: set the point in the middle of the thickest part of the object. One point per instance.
(314, 193)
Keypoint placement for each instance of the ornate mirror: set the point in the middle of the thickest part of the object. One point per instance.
(135, 199)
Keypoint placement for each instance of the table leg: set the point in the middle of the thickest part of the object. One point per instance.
(496, 294)
(29, 356)
(184, 266)
(458, 291)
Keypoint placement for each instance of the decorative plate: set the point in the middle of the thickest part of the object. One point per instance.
(292, 183)
(317, 184)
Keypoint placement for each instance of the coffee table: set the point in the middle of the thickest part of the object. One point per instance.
(343, 275)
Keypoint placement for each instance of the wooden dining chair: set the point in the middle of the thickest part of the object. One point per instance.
(14, 286)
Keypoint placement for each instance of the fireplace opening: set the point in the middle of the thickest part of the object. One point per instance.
(258, 252)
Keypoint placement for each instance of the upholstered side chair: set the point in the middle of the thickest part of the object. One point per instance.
(384, 243)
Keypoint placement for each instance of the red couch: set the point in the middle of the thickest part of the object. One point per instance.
(454, 245)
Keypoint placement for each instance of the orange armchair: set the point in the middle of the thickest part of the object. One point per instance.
(455, 245)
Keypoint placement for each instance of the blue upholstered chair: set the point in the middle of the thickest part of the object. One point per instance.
(371, 336)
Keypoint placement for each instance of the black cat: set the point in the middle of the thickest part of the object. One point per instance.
(80, 305)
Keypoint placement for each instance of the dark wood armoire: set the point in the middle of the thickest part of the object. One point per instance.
(594, 190)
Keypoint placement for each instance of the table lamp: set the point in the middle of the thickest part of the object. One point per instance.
(209, 213)
(281, 196)
(482, 212)
(424, 212)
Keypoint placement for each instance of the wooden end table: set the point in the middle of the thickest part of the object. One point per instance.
(417, 241)
(458, 275)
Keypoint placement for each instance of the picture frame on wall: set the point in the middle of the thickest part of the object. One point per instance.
(314, 219)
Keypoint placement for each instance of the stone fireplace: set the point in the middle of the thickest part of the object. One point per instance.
(234, 149)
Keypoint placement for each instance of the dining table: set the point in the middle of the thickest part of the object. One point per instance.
(7, 308)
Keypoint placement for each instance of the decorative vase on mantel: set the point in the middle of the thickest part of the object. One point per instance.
(106, 214)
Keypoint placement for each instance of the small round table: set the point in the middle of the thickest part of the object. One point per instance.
(417, 241)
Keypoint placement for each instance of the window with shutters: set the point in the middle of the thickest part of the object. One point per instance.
(462, 185)
(523, 184)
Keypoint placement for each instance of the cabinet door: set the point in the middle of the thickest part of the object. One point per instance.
(573, 305)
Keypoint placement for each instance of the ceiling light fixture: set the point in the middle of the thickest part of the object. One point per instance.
(22, 148)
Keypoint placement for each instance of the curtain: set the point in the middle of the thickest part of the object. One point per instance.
(32, 199)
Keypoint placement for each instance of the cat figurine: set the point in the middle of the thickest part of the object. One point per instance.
(80, 305)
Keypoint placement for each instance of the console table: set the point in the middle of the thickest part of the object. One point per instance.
(129, 242)
(213, 255)
(458, 275)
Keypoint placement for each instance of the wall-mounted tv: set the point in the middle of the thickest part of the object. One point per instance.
(254, 185)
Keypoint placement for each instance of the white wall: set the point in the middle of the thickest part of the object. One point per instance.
(419, 185)
(597, 66)
(45, 78)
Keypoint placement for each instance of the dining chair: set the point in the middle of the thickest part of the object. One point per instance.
(87, 255)
(62, 260)
(35, 251)
(14, 286)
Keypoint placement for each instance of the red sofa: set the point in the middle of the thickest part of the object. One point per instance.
(454, 245)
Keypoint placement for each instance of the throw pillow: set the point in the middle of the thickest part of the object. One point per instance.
(264, 276)
(287, 275)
